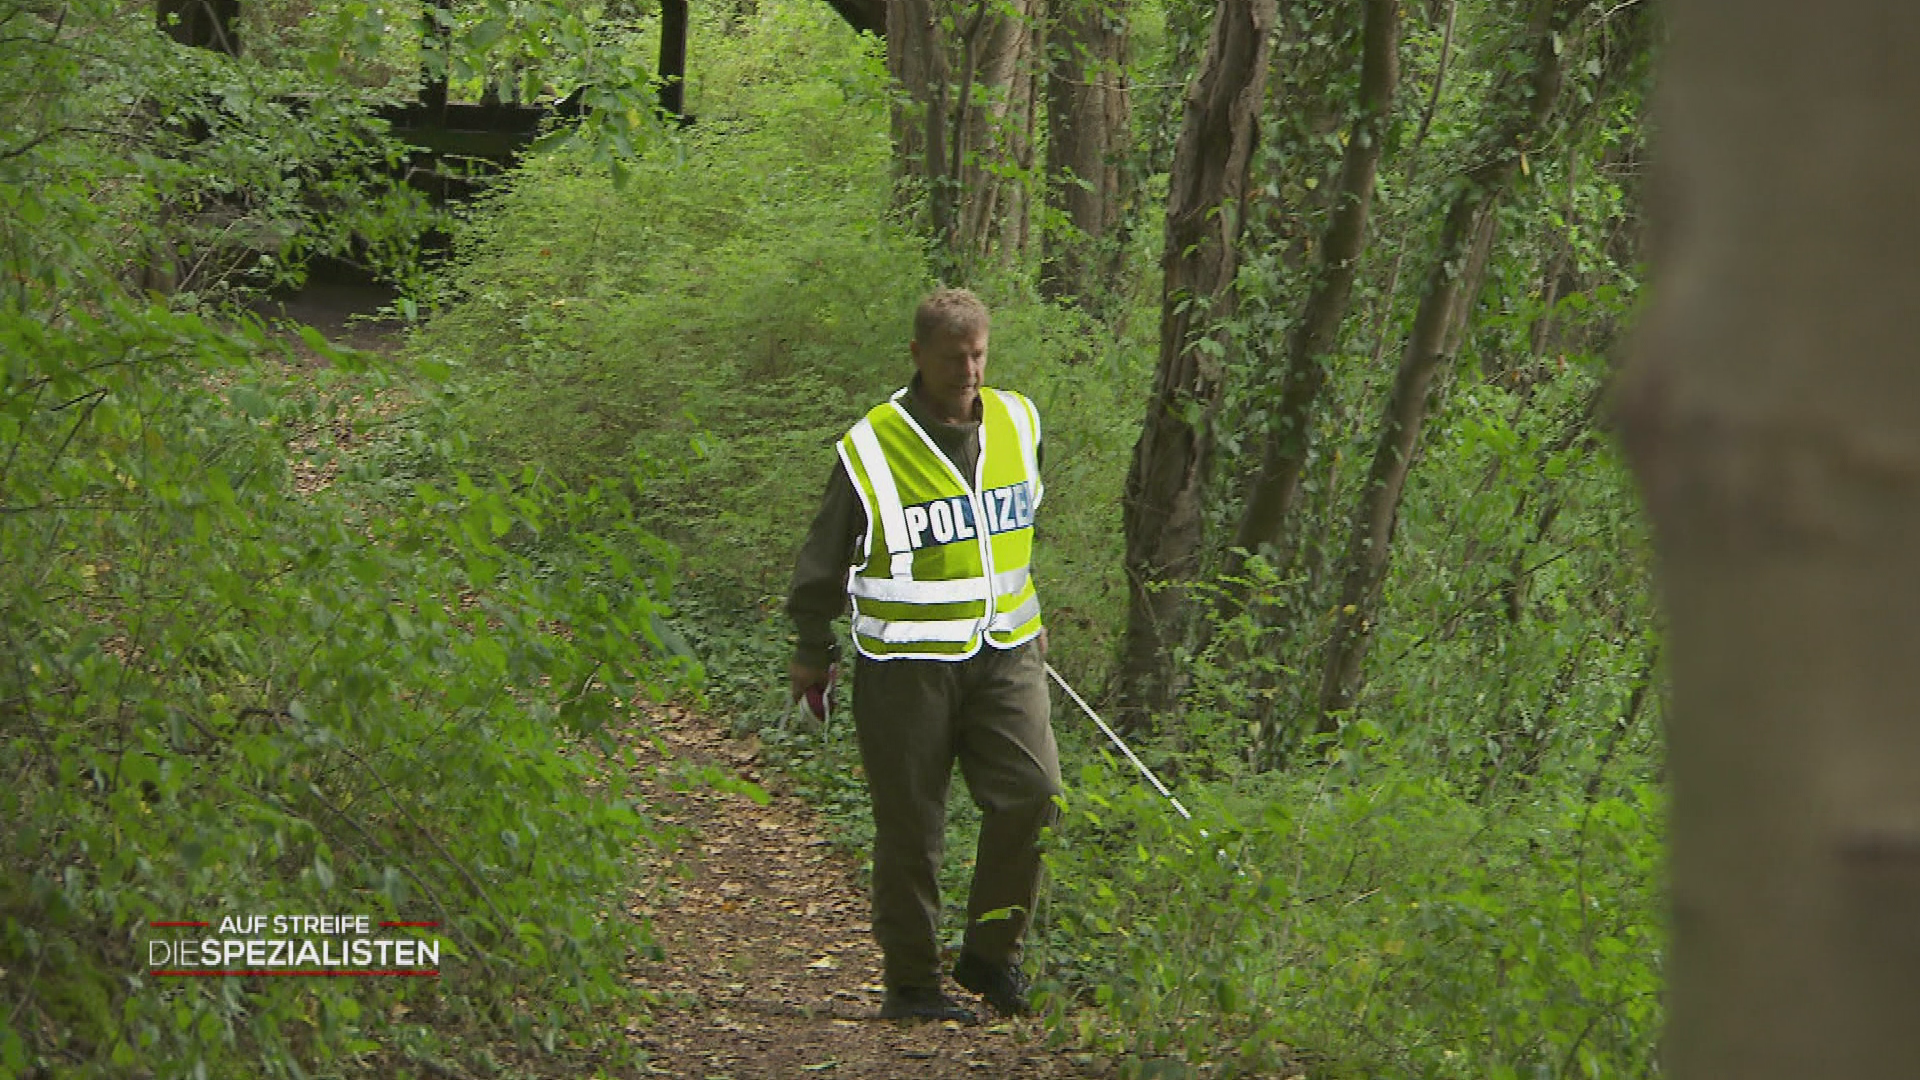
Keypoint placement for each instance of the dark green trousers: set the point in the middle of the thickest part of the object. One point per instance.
(915, 718)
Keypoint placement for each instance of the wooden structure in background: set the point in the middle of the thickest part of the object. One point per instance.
(487, 134)
(203, 24)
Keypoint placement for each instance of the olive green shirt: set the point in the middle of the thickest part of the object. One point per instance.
(819, 591)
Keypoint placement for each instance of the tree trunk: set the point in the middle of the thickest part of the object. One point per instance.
(1520, 112)
(917, 60)
(1290, 430)
(962, 122)
(1205, 203)
(673, 58)
(1773, 419)
(1087, 128)
(1020, 233)
(1003, 66)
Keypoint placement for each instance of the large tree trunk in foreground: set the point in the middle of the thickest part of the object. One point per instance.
(1086, 133)
(1520, 112)
(1205, 203)
(1773, 417)
(1289, 431)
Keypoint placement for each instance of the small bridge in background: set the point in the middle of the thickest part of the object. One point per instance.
(488, 132)
(457, 144)
(486, 135)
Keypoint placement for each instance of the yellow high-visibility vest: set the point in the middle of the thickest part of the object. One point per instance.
(947, 560)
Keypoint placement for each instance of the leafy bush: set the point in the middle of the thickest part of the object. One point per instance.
(1462, 881)
(1363, 917)
(720, 316)
(223, 697)
(242, 673)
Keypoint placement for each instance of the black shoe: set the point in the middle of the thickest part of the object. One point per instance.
(924, 1003)
(1003, 986)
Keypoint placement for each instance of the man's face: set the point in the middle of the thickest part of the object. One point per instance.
(951, 368)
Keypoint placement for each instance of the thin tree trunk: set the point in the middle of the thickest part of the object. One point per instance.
(1289, 432)
(1000, 70)
(917, 61)
(1033, 88)
(1516, 121)
(1473, 278)
(1205, 204)
(1087, 120)
(1773, 419)
(960, 120)
(673, 58)
(966, 68)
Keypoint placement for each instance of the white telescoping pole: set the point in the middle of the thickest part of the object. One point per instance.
(1137, 763)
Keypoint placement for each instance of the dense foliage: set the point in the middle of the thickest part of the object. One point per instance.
(228, 686)
(1464, 881)
(266, 650)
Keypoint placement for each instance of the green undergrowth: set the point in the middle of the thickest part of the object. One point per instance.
(1462, 881)
(1360, 916)
(225, 697)
(265, 651)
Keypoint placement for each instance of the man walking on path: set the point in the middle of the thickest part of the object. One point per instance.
(927, 524)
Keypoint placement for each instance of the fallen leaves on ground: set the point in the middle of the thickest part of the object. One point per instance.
(770, 968)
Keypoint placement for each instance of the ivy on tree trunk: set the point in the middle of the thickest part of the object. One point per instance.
(1521, 111)
(1284, 450)
(1166, 482)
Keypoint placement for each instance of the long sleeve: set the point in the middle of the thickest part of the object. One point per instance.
(818, 594)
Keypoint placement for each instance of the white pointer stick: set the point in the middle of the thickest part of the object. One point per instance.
(1137, 763)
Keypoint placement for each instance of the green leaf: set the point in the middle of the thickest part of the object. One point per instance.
(485, 33)
(13, 1051)
(250, 401)
(670, 639)
(137, 766)
(392, 885)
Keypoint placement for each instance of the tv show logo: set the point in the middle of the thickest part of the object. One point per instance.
(295, 945)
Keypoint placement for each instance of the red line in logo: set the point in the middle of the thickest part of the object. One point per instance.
(434, 974)
(409, 924)
(179, 924)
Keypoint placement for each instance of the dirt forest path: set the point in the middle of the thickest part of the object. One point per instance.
(770, 968)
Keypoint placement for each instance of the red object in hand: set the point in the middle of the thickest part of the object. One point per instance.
(816, 696)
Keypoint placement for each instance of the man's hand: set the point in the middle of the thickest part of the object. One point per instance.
(801, 678)
(1042, 639)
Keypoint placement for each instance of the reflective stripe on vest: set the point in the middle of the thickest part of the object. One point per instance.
(946, 561)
